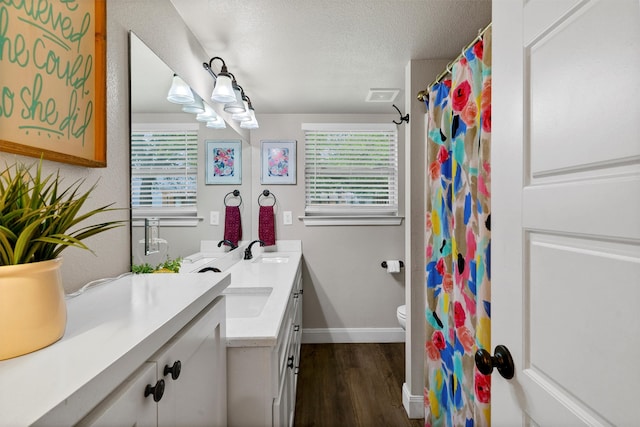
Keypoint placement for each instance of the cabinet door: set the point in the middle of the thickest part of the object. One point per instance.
(197, 395)
(127, 405)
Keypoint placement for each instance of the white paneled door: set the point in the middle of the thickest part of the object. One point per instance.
(566, 211)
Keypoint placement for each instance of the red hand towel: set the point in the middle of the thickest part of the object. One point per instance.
(232, 224)
(267, 226)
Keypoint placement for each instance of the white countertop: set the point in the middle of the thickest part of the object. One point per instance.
(263, 329)
(111, 330)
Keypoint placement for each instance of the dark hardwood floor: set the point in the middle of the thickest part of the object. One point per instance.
(351, 385)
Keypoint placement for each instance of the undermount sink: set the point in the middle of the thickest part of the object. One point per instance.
(246, 302)
(272, 259)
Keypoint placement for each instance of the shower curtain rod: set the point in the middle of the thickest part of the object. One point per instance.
(423, 93)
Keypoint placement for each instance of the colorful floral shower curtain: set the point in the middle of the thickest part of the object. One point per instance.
(458, 252)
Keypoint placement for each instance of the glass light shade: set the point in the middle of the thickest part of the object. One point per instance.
(180, 92)
(252, 123)
(223, 90)
(208, 114)
(237, 106)
(244, 116)
(196, 107)
(218, 123)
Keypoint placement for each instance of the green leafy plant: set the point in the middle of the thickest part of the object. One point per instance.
(169, 266)
(142, 268)
(39, 219)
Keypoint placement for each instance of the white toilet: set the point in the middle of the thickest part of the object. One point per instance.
(402, 316)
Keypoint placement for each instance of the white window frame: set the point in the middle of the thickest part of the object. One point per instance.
(169, 216)
(344, 213)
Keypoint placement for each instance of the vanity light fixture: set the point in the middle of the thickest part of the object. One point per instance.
(226, 90)
(196, 107)
(179, 92)
(223, 88)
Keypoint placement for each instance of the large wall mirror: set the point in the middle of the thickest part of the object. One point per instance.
(181, 227)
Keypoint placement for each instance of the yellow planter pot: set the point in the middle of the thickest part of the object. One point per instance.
(33, 313)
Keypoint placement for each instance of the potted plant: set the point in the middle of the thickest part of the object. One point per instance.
(38, 220)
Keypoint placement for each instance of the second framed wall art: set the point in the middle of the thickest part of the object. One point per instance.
(278, 162)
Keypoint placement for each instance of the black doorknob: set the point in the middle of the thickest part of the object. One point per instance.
(157, 390)
(174, 370)
(502, 361)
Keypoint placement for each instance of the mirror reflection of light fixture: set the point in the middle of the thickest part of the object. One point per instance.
(223, 88)
(217, 123)
(179, 92)
(196, 107)
(208, 114)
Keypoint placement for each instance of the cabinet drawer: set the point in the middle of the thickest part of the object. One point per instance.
(127, 405)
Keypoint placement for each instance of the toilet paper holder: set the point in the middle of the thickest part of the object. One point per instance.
(384, 264)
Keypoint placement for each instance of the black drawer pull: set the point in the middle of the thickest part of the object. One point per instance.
(173, 370)
(157, 390)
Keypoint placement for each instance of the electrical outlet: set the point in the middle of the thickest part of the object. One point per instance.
(287, 219)
(214, 218)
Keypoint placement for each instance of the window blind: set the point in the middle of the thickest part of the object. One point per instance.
(164, 170)
(351, 170)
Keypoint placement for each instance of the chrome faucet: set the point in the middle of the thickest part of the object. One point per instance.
(247, 252)
(228, 243)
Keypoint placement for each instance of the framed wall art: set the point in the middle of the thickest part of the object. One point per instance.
(53, 88)
(278, 162)
(223, 161)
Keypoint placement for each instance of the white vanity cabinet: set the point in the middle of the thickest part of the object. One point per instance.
(183, 384)
(285, 404)
(119, 338)
(262, 377)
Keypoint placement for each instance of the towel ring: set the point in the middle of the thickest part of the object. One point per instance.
(267, 193)
(234, 193)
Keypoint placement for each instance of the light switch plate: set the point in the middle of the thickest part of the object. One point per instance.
(287, 219)
(214, 218)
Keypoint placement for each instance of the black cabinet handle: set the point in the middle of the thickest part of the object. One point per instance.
(296, 328)
(173, 370)
(157, 390)
(290, 362)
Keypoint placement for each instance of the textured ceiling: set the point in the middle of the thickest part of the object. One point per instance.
(311, 56)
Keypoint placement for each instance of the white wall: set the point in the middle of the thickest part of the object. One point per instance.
(344, 284)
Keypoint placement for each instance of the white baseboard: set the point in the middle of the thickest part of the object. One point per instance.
(352, 335)
(413, 404)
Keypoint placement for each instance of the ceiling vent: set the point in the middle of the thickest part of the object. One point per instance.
(382, 95)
